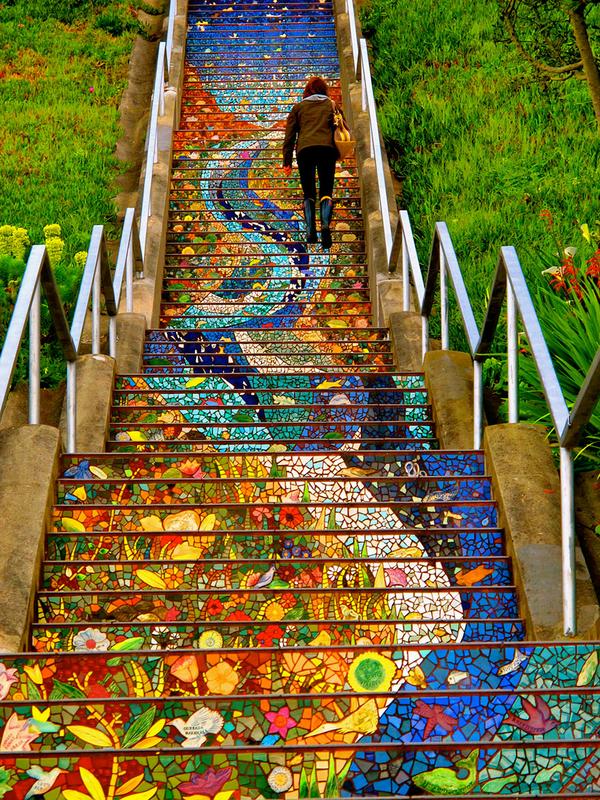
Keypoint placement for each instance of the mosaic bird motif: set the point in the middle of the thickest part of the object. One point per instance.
(539, 719)
(44, 780)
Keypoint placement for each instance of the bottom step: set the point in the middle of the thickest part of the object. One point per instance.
(358, 769)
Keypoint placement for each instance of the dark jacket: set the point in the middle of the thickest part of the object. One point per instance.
(309, 123)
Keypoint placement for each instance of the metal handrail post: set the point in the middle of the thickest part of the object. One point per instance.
(171, 31)
(96, 292)
(443, 298)
(512, 337)
(376, 150)
(353, 35)
(405, 269)
(71, 403)
(567, 514)
(477, 403)
(35, 332)
(129, 276)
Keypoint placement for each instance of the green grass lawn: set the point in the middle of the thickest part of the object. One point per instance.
(63, 69)
(60, 86)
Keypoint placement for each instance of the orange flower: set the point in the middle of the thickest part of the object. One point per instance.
(222, 679)
(185, 669)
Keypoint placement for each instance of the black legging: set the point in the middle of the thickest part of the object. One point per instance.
(317, 159)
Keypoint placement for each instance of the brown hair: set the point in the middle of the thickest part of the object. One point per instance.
(315, 86)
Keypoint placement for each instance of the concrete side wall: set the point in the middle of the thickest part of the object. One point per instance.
(527, 490)
(29, 458)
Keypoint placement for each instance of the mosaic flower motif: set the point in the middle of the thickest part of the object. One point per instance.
(185, 669)
(7, 678)
(90, 639)
(290, 517)
(371, 672)
(269, 635)
(210, 640)
(201, 722)
(221, 679)
(164, 638)
(280, 779)
(208, 784)
(281, 722)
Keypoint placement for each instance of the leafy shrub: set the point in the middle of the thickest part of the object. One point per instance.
(572, 332)
(116, 22)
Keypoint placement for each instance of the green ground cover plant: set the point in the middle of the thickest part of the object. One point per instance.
(480, 141)
(63, 69)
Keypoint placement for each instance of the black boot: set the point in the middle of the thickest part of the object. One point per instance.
(311, 222)
(326, 214)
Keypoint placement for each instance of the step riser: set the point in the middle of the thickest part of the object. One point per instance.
(445, 602)
(164, 635)
(253, 770)
(270, 491)
(426, 464)
(232, 716)
(187, 576)
(257, 544)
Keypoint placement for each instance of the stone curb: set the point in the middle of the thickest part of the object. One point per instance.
(29, 457)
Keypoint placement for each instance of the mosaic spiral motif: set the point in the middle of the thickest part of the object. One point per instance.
(274, 583)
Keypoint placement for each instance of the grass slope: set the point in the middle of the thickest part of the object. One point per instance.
(60, 86)
(477, 141)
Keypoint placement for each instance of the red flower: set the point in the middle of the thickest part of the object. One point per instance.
(546, 216)
(214, 607)
(238, 616)
(286, 572)
(270, 633)
(290, 517)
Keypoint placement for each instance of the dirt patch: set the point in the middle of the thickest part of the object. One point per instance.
(16, 411)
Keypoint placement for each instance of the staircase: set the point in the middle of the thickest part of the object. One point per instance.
(273, 583)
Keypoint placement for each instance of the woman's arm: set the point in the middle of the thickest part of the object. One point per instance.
(291, 134)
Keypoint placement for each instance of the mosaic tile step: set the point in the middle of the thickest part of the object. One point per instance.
(332, 382)
(297, 465)
(245, 320)
(242, 426)
(310, 717)
(201, 490)
(196, 224)
(239, 631)
(245, 516)
(275, 413)
(135, 444)
(397, 403)
(506, 667)
(314, 435)
(373, 338)
(249, 363)
(317, 573)
(360, 773)
(432, 602)
(449, 542)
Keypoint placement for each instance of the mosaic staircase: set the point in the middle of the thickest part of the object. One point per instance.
(272, 583)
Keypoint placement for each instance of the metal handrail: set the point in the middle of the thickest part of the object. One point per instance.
(157, 110)
(362, 72)
(96, 282)
(509, 284)
(38, 275)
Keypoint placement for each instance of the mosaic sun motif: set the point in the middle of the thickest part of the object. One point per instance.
(273, 583)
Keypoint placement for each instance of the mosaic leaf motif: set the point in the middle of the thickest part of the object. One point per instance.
(273, 583)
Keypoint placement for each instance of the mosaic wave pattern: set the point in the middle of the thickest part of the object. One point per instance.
(274, 583)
